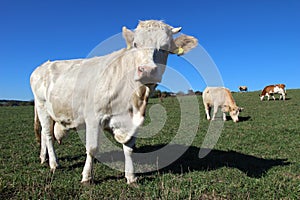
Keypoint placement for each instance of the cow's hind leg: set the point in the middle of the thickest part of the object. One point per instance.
(46, 138)
(43, 152)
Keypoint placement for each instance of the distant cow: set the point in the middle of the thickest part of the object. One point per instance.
(106, 92)
(220, 97)
(243, 88)
(270, 90)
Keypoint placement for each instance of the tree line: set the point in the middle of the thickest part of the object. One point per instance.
(16, 103)
(155, 94)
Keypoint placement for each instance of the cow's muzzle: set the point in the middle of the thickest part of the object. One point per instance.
(147, 74)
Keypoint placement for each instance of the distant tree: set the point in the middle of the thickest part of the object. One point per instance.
(156, 94)
(190, 92)
(180, 93)
(198, 93)
(31, 102)
(165, 94)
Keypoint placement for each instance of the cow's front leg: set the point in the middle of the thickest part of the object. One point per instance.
(262, 97)
(87, 173)
(215, 112)
(129, 169)
(92, 141)
(224, 116)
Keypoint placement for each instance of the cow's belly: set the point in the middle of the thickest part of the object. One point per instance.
(60, 100)
(63, 112)
(278, 90)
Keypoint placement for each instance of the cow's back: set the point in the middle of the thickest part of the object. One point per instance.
(70, 87)
(268, 89)
(217, 96)
(53, 86)
(282, 86)
(49, 74)
(206, 96)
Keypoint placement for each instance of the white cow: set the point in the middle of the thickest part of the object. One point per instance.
(108, 92)
(220, 97)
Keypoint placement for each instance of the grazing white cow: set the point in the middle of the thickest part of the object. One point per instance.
(107, 92)
(220, 97)
(270, 90)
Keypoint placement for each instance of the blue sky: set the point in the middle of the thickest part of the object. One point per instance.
(251, 42)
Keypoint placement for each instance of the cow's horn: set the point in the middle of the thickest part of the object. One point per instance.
(176, 30)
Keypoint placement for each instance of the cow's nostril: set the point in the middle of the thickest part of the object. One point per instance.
(141, 69)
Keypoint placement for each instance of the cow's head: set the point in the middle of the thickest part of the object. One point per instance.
(233, 111)
(153, 41)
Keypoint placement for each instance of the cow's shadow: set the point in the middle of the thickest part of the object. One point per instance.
(190, 161)
(160, 158)
(276, 99)
(241, 118)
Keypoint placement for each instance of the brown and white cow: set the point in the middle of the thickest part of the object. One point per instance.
(220, 97)
(106, 92)
(243, 88)
(270, 90)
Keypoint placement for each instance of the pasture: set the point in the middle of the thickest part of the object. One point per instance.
(256, 158)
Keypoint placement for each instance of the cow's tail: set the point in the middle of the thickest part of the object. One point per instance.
(38, 127)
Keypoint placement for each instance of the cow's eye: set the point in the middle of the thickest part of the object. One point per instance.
(134, 45)
(162, 50)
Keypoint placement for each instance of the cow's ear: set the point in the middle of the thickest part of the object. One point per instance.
(128, 36)
(184, 44)
(241, 109)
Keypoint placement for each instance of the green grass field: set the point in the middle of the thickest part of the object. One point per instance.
(257, 158)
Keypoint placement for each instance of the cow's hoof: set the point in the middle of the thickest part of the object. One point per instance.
(43, 159)
(87, 182)
(52, 170)
(134, 185)
(131, 180)
(55, 167)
